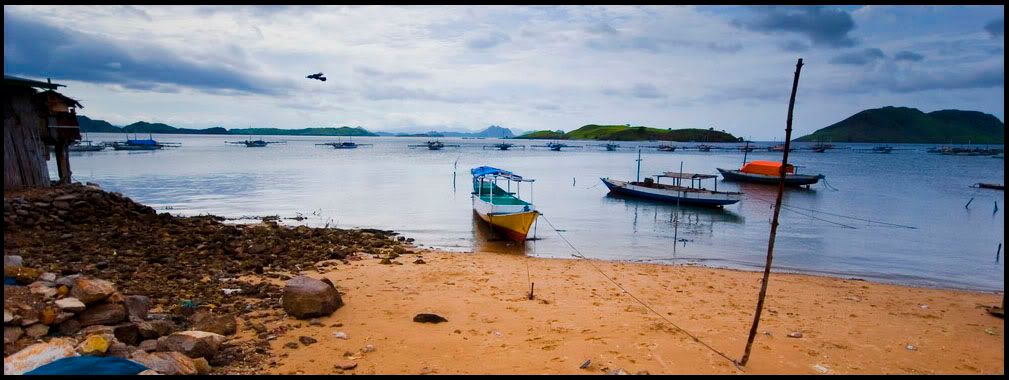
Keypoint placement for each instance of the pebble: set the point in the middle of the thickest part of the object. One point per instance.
(820, 368)
(307, 340)
(795, 334)
(911, 347)
(368, 348)
(345, 364)
(315, 322)
(291, 345)
(341, 335)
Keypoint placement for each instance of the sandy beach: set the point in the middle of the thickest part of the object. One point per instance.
(846, 326)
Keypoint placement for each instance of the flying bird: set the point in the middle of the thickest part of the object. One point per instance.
(317, 76)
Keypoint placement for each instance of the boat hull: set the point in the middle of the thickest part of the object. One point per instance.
(707, 199)
(514, 225)
(790, 179)
(135, 147)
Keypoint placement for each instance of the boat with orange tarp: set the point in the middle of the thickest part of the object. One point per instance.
(768, 172)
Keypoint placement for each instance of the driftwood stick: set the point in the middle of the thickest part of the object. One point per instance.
(774, 222)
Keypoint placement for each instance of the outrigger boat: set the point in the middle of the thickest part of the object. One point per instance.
(500, 207)
(89, 147)
(137, 144)
(675, 193)
(768, 173)
(504, 146)
(556, 146)
(344, 144)
(433, 145)
(259, 143)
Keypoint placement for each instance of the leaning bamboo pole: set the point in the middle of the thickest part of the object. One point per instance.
(774, 221)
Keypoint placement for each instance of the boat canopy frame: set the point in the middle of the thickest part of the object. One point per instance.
(678, 177)
(491, 174)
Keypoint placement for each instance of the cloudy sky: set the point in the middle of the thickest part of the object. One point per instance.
(419, 68)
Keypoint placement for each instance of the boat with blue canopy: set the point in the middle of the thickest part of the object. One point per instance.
(501, 207)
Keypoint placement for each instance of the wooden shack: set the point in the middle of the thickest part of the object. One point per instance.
(34, 121)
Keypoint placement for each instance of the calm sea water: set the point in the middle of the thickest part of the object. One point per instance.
(852, 226)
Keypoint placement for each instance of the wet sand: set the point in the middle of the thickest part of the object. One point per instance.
(847, 326)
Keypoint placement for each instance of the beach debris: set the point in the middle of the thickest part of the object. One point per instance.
(766, 332)
(821, 369)
(497, 333)
(795, 334)
(585, 364)
(429, 318)
(911, 347)
(341, 335)
(305, 297)
(291, 345)
(307, 340)
(368, 348)
(991, 331)
(923, 306)
(38, 355)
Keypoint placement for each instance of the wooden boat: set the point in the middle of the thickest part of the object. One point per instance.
(779, 148)
(504, 146)
(993, 186)
(704, 148)
(259, 143)
(433, 145)
(344, 145)
(766, 172)
(500, 207)
(667, 148)
(675, 193)
(89, 147)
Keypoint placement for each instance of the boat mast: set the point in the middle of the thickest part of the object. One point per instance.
(746, 149)
(637, 178)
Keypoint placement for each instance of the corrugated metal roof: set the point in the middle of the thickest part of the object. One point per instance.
(8, 79)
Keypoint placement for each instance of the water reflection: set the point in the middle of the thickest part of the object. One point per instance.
(486, 239)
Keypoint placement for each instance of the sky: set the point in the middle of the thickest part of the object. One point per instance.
(463, 68)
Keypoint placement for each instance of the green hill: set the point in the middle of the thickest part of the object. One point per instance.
(93, 125)
(327, 131)
(910, 125)
(637, 133)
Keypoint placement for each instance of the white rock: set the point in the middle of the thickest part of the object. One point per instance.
(48, 277)
(38, 355)
(821, 369)
(8, 317)
(341, 335)
(70, 304)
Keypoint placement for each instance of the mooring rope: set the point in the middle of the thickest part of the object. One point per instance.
(582, 256)
(794, 208)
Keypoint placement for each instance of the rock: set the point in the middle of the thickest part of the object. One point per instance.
(62, 316)
(38, 355)
(97, 329)
(345, 364)
(821, 369)
(128, 333)
(341, 335)
(70, 304)
(911, 347)
(585, 364)
(13, 333)
(119, 350)
(8, 316)
(156, 328)
(22, 275)
(91, 290)
(315, 322)
(149, 345)
(307, 340)
(41, 288)
(368, 348)
(218, 324)
(259, 328)
(305, 297)
(642, 373)
(429, 318)
(37, 330)
(618, 371)
(69, 327)
(168, 363)
(195, 344)
(102, 314)
(795, 334)
(202, 366)
(67, 281)
(137, 307)
(13, 261)
(48, 277)
(95, 345)
(419, 261)
(148, 372)
(291, 345)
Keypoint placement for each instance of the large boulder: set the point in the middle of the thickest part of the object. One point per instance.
(224, 324)
(156, 328)
(38, 355)
(166, 363)
(194, 344)
(90, 290)
(305, 297)
(137, 307)
(102, 314)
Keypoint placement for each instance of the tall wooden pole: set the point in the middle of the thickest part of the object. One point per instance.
(774, 221)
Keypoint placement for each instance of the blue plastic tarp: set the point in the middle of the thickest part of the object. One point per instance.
(141, 142)
(90, 365)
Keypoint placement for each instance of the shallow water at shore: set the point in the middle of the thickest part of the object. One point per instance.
(425, 195)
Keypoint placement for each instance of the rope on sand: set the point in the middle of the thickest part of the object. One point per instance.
(582, 256)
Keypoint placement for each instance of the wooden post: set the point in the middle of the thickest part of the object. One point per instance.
(774, 221)
(63, 161)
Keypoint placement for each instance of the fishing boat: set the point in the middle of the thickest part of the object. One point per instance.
(779, 148)
(704, 148)
(767, 172)
(80, 146)
(667, 148)
(250, 143)
(993, 186)
(433, 145)
(500, 207)
(676, 192)
(344, 144)
(504, 146)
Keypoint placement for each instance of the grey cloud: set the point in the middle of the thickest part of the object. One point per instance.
(908, 56)
(824, 26)
(129, 9)
(995, 27)
(989, 77)
(860, 57)
(794, 46)
(377, 73)
(34, 48)
(640, 90)
(658, 44)
(488, 40)
(602, 28)
(393, 92)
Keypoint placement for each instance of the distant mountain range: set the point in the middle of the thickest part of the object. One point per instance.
(910, 125)
(636, 133)
(101, 126)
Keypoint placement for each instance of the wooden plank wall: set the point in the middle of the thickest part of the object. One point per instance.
(24, 152)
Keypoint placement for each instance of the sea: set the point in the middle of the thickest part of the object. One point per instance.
(908, 217)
